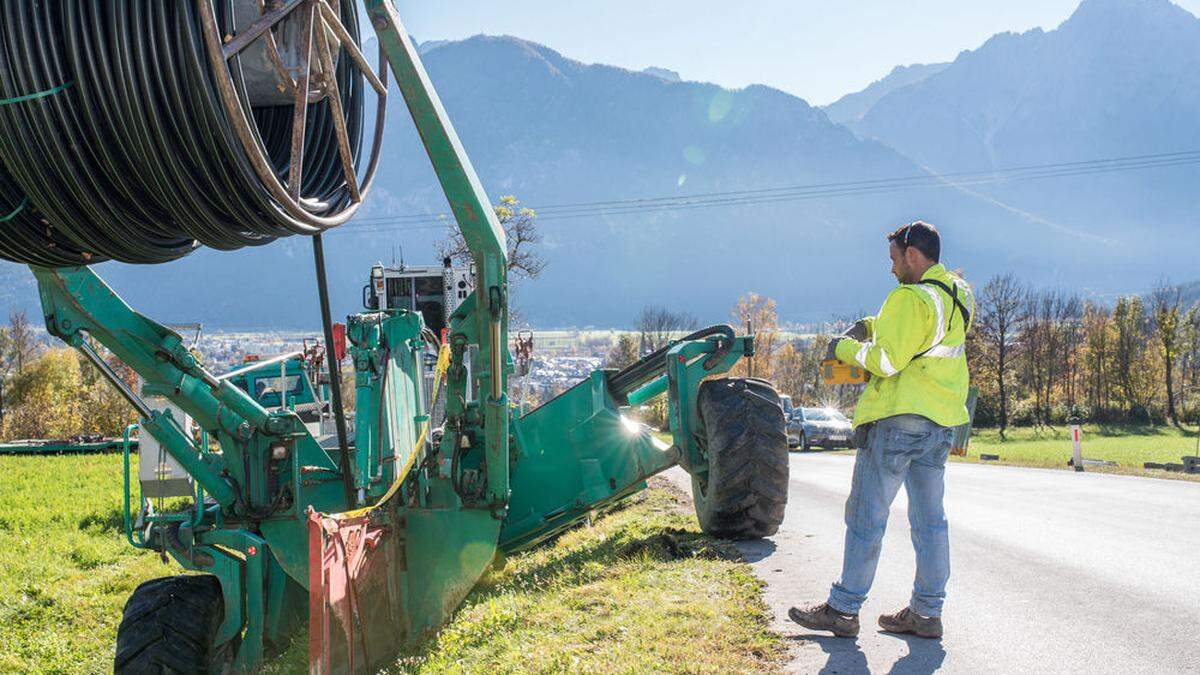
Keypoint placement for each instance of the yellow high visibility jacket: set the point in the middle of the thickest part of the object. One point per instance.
(916, 352)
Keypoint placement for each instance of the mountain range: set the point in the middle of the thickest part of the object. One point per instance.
(774, 196)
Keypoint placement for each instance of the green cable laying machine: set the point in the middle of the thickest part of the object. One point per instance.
(229, 123)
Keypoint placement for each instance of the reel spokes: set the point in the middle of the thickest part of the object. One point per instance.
(291, 53)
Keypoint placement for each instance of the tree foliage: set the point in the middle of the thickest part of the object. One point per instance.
(521, 234)
(1166, 304)
(623, 354)
(58, 394)
(45, 399)
(1040, 355)
(1000, 317)
(757, 314)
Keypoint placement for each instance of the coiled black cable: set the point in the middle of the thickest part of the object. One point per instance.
(135, 160)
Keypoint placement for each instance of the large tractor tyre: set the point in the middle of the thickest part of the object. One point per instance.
(169, 626)
(744, 434)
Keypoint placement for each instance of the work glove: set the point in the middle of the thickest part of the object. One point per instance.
(831, 351)
(859, 331)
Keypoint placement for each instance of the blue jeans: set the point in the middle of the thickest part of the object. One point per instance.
(912, 450)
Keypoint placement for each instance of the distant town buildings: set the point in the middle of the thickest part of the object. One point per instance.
(561, 359)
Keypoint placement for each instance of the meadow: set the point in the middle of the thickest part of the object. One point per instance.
(65, 567)
(1050, 447)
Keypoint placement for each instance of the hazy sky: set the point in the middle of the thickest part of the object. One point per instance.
(817, 50)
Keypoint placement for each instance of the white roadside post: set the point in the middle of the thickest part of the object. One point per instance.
(1075, 438)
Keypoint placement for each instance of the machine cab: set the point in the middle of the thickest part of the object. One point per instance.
(282, 383)
(435, 292)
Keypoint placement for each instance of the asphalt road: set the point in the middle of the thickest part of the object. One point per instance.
(1051, 572)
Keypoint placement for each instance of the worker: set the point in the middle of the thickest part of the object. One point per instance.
(904, 427)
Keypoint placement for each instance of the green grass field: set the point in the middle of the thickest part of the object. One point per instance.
(641, 589)
(1050, 447)
(65, 567)
(1129, 446)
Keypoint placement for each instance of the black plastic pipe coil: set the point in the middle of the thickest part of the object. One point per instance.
(128, 155)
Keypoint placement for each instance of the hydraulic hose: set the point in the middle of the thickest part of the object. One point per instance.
(653, 365)
(132, 156)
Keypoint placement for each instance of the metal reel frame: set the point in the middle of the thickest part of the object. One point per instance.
(307, 85)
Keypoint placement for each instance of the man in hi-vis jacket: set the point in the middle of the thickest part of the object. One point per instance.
(904, 427)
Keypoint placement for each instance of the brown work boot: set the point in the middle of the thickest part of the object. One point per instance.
(824, 617)
(909, 622)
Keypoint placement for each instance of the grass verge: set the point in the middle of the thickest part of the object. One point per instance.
(640, 590)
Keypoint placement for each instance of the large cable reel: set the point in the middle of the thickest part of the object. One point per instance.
(135, 130)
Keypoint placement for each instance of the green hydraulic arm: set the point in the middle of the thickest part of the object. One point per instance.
(268, 466)
(79, 307)
(485, 320)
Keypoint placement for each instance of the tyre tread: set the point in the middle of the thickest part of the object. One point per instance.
(746, 438)
(168, 626)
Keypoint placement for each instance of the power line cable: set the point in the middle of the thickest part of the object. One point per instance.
(992, 174)
(802, 193)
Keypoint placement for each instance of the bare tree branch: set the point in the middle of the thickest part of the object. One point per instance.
(657, 326)
(521, 231)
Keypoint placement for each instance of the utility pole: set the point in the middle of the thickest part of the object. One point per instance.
(1077, 455)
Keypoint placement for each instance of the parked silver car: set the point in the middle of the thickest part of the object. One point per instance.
(824, 427)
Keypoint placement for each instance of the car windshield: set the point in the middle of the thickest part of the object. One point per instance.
(823, 415)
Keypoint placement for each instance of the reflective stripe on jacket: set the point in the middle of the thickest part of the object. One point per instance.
(916, 353)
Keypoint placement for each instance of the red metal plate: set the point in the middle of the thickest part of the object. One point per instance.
(356, 617)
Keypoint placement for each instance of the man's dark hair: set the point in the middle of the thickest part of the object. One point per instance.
(920, 235)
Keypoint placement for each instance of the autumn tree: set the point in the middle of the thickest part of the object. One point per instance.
(1129, 354)
(757, 313)
(1097, 356)
(1189, 357)
(60, 394)
(22, 343)
(623, 354)
(103, 410)
(1166, 309)
(18, 346)
(44, 399)
(790, 373)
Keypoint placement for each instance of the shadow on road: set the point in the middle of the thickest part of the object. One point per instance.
(845, 656)
(924, 656)
(754, 550)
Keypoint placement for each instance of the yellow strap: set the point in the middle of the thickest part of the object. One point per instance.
(443, 364)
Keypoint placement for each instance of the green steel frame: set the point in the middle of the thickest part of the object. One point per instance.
(495, 482)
